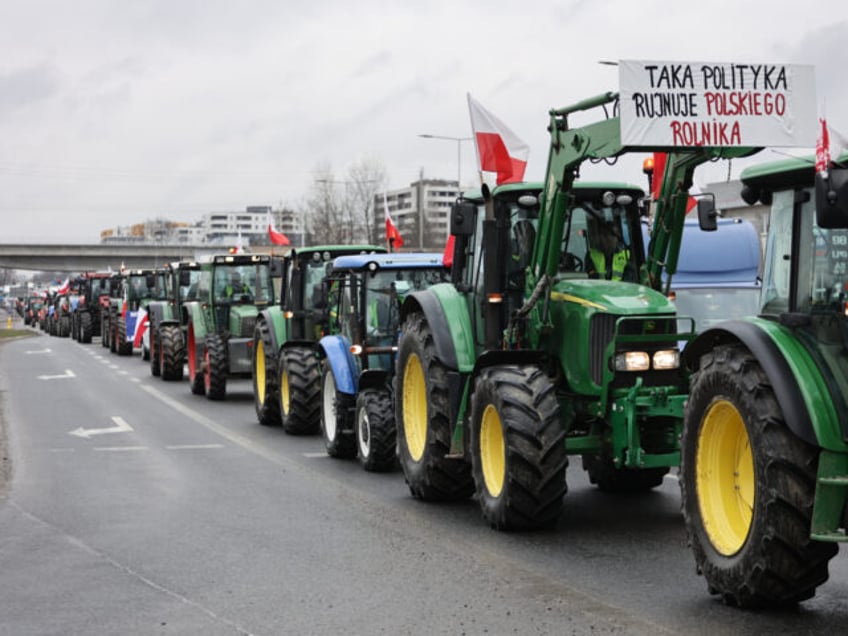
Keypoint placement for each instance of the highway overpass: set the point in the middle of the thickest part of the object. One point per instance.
(102, 256)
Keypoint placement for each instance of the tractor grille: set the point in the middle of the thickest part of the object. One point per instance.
(245, 327)
(601, 331)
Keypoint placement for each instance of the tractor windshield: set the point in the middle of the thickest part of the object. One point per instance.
(245, 283)
(386, 290)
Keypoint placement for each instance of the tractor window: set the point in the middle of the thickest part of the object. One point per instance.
(776, 273)
(575, 245)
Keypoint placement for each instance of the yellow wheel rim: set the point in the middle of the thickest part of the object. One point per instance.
(724, 477)
(285, 397)
(259, 371)
(414, 408)
(492, 451)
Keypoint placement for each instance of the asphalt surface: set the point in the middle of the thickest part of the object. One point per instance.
(197, 520)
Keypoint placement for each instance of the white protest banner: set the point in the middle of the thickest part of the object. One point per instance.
(717, 104)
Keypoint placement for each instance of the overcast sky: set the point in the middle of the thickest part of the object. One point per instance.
(118, 111)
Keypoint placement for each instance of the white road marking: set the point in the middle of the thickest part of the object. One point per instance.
(120, 427)
(61, 450)
(37, 352)
(68, 374)
(315, 455)
(118, 449)
(193, 446)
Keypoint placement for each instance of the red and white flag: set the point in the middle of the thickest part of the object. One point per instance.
(823, 148)
(63, 289)
(393, 237)
(277, 238)
(499, 150)
(140, 327)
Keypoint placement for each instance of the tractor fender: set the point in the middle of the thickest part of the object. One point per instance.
(759, 339)
(273, 317)
(197, 320)
(336, 350)
(447, 314)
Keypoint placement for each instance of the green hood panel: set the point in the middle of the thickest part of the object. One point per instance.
(623, 299)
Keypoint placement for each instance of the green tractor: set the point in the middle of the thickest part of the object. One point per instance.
(286, 370)
(219, 324)
(552, 340)
(168, 320)
(764, 473)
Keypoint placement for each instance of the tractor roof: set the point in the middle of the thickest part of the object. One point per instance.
(403, 260)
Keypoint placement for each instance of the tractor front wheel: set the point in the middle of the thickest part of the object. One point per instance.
(266, 400)
(747, 486)
(195, 372)
(517, 448)
(336, 417)
(422, 413)
(299, 381)
(376, 435)
(171, 352)
(216, 367)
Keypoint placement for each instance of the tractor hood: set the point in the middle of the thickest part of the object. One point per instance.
(611, 296)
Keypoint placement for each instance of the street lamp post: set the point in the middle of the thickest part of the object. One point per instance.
(458, 141)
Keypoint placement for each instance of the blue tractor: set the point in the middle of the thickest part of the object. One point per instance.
(365, 292)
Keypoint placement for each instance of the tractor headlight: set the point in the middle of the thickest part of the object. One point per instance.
(666, 359)
(632, 361)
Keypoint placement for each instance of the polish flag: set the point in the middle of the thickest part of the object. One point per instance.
(499, 150)
(393, 237)
(657, 179)
(140, 327)
(277, 238)
(63, 289)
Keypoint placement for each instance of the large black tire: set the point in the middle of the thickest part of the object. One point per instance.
(104, 329)
(266, 396)
(518, 453)
(216, 367)
(423, 419)
(64, 328)
(336, 417)
(194, 351)
(299, 382)
(153, 352)
(171, 352)
(376, 434)
(86, 329)
(604, 474)
(748, 485)
(122, 346)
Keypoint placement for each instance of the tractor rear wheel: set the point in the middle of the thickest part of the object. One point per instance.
(216, 367)
(336, 417)
(747, 486)
(376, 435)
(422, 414)
(195, 371)
(517, 448)
(266, 399)
(299, 382)
(171, 352)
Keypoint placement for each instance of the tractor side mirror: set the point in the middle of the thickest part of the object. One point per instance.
(832, 199)
(185, 277)
(276, 268)
(463, 215)
(150, 281)
(707, 215)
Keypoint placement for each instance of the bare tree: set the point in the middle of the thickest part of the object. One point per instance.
(325, 208)
(366, 178)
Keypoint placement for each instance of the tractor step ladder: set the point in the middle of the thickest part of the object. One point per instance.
(831, 495)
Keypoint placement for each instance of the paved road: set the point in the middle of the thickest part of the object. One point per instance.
(179, 515)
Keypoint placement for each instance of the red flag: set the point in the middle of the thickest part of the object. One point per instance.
(65, 287)
(823, 148)
(277, 238)
(657, 178)
(447, 254)
(393, 237)
(140, 327)
(499, 150)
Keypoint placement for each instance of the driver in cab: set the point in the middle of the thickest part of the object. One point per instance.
(236, 288)
(607, 257)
